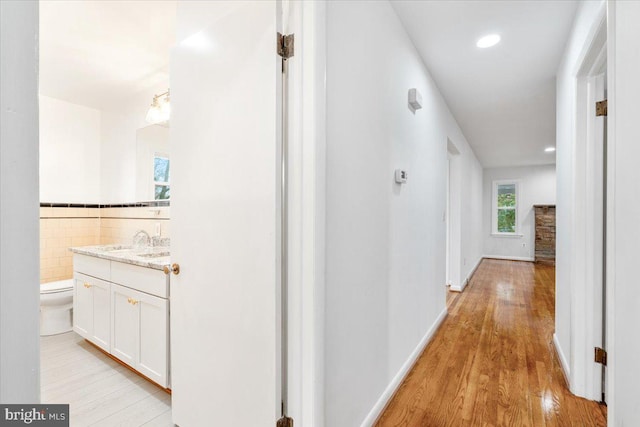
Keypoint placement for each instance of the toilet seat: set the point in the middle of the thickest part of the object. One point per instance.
(56, 287)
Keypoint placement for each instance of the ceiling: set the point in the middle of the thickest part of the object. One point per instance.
(100, 53)
(503, 97)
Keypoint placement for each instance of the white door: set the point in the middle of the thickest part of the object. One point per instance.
(224, 85)
(596, 206)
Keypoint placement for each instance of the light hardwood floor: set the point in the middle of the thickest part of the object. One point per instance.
(492, 362)
(100, 391)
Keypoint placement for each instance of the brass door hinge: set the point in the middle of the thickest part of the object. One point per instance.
(285, 45)
(285, 422)
(601, 108)
(600, 356)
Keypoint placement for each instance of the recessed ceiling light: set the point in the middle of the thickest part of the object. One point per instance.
(488, 41)
(550, 149)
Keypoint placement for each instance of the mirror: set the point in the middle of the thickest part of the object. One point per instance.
(153, 163)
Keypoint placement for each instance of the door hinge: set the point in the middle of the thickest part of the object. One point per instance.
(285, 45)
(601, 108)
(285, 422)
(600, 356)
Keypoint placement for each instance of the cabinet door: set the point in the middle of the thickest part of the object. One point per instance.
(125, 330)
(83, 306)
(154, 330)
(101, 334)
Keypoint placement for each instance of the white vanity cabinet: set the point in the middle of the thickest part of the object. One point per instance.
(92, 309)
(124, 309)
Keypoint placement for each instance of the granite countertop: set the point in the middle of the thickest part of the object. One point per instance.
(156, 257)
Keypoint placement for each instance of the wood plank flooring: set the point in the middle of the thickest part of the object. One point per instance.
(100, 391)
(492, 362)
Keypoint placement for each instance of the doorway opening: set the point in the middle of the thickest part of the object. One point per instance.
(452, 218)
(105, 182)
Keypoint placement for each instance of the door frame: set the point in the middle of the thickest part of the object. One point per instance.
(586, 290)
(306, 211)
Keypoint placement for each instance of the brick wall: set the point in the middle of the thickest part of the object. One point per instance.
(545, 234)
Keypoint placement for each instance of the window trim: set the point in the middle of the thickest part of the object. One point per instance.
(494, 208)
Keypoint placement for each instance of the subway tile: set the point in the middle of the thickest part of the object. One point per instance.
(46, 233)
(59, 212)
(45, 212)
(77, 241)
(46, 252)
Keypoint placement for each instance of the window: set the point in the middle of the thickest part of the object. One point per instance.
(161, 177)
(505, 207)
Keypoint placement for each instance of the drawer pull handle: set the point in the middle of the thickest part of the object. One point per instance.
(132, 301)
(86, 285)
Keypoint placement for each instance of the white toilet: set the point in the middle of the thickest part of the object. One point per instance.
(56, 307)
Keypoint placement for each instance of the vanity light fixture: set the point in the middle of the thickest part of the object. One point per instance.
(550, 149)
(160, 109)
(488, 41)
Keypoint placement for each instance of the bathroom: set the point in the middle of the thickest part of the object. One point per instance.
(105, 169)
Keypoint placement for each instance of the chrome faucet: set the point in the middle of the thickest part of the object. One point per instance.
(141, 239)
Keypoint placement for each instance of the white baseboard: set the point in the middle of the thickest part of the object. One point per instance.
(460, 288)
(510, 258)
(563, 360)
(377, 409)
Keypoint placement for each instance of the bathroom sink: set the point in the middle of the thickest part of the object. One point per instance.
(119, 251)
(116, 248)
(154, 254)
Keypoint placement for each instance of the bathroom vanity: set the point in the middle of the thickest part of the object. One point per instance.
(121, 305)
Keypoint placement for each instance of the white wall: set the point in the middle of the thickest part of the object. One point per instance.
(624, 211)
(385, 243)
(537, 186)
(69, 152)
(19, 212)
(570, 215)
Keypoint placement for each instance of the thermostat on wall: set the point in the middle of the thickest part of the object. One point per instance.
(415, 99)
(401, 176)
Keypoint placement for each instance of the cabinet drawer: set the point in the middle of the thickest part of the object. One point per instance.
(153, 282)
(92, 266)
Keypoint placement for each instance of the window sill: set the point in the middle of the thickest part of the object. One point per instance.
(512, 235)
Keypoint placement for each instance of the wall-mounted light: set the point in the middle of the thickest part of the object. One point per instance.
(160, 109)
(550, 149)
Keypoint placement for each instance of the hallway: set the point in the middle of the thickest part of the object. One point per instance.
(492, 361)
